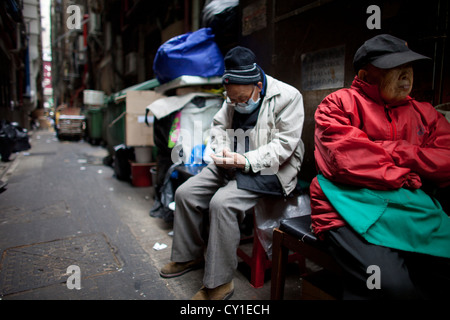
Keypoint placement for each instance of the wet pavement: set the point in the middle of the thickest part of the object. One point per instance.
(62, 208)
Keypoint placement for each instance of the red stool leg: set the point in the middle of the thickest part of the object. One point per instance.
(259, 263)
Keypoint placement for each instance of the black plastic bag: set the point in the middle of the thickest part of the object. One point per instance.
(12, 139)
(161, 132)
(160, 207)
(122, 167)
(22, 142)
(223, 19)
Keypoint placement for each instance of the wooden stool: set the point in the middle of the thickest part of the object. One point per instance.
(295, 234)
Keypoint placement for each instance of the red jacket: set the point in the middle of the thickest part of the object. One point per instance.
(361, 141)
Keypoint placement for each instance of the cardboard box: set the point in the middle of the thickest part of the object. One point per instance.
(137, 132)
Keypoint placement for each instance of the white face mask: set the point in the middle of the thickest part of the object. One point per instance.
(247, 107)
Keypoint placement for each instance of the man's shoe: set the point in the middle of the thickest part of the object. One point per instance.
(176, 269)
(223, 292)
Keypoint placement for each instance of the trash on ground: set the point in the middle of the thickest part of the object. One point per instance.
(159, 246)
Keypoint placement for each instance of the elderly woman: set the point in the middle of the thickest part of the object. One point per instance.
(374, 148)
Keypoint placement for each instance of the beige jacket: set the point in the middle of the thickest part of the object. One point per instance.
(275, 141)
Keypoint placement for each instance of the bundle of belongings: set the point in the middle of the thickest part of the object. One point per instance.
(181, 133)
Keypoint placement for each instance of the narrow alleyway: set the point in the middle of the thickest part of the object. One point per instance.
(63, 207)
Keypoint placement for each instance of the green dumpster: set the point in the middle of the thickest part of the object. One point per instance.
(114, 118)
(95, 125)
(114, 124)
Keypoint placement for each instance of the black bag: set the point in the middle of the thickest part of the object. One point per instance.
(122, 166)
(12, 139)
(223, 18)
(267, 184)
(21, 142)
(166, 195)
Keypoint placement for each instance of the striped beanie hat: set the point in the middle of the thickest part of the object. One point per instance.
(241, 67)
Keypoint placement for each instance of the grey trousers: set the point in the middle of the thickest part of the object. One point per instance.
(209, 209)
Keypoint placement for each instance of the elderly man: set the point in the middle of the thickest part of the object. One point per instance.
(256, 138)
(374, 148)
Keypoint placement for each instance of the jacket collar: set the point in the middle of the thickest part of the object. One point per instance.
(271, 87)
(372, 91)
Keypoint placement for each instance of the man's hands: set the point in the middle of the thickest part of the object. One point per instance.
(227, 159)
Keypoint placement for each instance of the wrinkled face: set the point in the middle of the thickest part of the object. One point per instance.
(395, 84)
(241, 93)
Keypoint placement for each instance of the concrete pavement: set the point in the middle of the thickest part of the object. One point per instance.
(62, 208)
